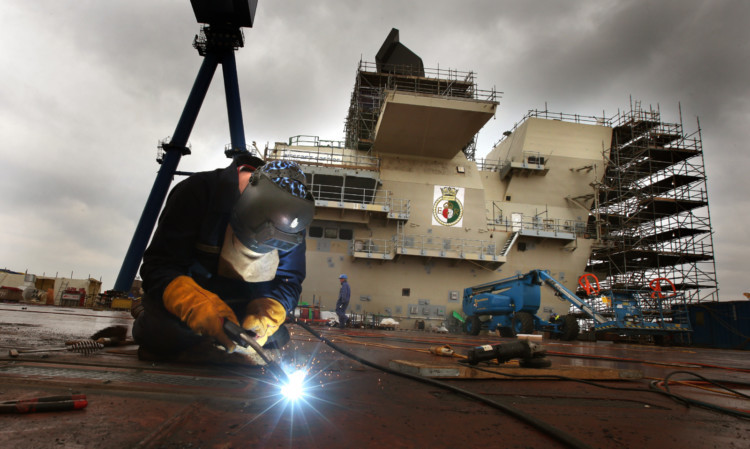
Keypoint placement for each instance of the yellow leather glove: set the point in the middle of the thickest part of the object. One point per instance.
(203, 311)
(264, 316)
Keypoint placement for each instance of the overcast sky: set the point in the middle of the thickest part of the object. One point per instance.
(89, 87)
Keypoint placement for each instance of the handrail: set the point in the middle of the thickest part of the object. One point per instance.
(324, 156)
(443, 82)
(634, 116)
(425, 243)
(556, 225)
(378, 247)
(561, 116)
(535, 157)
(362, 196)
(314, 141)
(494, 165)
(431, 243)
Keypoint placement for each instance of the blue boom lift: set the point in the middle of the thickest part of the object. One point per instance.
(510, 306)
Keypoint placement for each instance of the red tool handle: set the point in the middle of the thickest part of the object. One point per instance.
(47, 404)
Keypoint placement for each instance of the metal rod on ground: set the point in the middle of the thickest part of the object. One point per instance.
(85, 347)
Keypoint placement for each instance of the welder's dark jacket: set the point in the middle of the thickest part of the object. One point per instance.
(188, 241)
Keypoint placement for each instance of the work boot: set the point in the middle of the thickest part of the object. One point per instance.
(136, 308)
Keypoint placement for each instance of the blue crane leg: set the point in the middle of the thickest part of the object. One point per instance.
(234, 108)
(164, 177)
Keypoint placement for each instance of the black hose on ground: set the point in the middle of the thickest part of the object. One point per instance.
(653, 388)
(688, 401)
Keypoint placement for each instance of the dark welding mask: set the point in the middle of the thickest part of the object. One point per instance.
(274, 209)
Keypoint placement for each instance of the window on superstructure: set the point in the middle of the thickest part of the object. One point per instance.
(346, 234)
(405, 291)
(331, 233)
(315, 232)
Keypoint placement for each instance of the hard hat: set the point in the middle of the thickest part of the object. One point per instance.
(248, 161)
(275, 208)
(343, 276)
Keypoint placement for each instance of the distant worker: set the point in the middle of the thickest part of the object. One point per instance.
(230, 243)
(343, 301)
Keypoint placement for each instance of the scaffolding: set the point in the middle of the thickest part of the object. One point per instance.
(651, 214)
(374, 80)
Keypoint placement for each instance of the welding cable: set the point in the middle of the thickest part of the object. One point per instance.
(653, 389)
(689, 401)
(552, 376)
(349, 340)
(619, 359)
(701, 385)
(609, 387)
(725, 368)
(646, 362)
(553, 432)
(411, 340)
(719, 383)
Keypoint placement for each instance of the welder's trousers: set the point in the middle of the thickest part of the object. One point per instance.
(161, 332)
(341, 312)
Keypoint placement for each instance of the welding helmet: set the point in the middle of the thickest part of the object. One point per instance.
(274, 209)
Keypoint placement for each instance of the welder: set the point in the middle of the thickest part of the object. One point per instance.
(229, 243)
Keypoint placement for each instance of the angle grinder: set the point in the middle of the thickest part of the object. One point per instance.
(531, 354)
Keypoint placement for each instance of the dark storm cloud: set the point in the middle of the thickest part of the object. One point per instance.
(89, 87)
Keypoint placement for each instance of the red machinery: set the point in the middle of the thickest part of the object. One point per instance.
(73, 297)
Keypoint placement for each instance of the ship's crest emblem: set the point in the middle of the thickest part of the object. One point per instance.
(447, 209)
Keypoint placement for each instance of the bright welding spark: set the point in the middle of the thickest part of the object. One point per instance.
(294, 389)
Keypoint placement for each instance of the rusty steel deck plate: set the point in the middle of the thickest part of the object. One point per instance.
(140, 404)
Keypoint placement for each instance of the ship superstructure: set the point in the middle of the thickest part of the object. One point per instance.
(407, 213)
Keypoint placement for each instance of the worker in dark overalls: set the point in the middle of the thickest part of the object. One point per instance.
(230, 243)
(343, 302)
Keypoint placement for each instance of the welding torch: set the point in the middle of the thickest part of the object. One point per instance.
(245, 338)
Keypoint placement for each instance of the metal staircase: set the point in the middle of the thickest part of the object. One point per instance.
(509, 244)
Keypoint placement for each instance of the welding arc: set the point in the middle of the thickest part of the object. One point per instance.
(566, 439)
